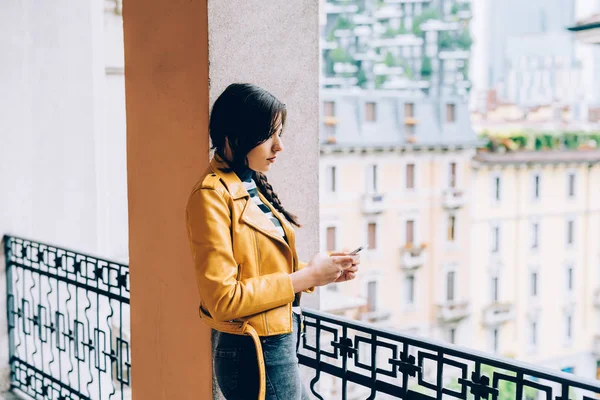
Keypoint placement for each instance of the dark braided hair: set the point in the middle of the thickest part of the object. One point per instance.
(267, 190)
(246, 116)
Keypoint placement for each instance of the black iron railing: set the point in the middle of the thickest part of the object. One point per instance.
(68, 322)
(352, 360)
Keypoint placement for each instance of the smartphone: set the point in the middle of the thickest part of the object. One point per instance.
(361, 248)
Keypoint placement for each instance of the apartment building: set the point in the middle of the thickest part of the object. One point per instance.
(535, 255)
(395, 175)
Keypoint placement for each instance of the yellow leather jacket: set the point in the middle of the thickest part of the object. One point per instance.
(242, 265)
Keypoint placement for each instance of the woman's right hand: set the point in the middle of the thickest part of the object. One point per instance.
(326, 269)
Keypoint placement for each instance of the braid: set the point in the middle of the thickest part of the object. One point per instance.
(267, 190)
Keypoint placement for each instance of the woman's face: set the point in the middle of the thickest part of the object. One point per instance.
(262, 157)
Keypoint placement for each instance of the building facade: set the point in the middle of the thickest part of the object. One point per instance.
(405, 45)
(495, 251)
(535, 254)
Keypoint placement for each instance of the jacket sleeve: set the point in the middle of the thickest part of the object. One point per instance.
(209, 232)
(302, 265)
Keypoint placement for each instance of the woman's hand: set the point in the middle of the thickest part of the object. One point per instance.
(349, 273)
(323, 270)
(327, 269)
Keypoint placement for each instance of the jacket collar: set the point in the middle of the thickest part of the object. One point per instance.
(251, 214)
(230, 179)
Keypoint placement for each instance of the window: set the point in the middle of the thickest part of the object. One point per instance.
(410, 176)
(410, 289)
(372, 295)
(495, 289)
(331, 178)
(495, 339)
(410, 231)
(570, 232)
(450, 286)
(452, 178)
(451, 228)
(570, 282)
(568, 327)
(496, 188)
(535, 232)
(409, 110)
(331, 245)
(372, 178)
(370, 112)
(410, 129)
(329, 109)
(371, 235)
(571, 184)
(536, 186)
(533, 333)
(495, 239)
(450, 112)
(534, 284)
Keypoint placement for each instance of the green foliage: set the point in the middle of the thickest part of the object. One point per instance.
(464, 40)
(343, 23)
(506, 390)
(465, 69)
(408, 71)
(340, 23)
(571, 140)
(426, 15)
(426, 68)
(402, 29)
(379, 80)
(533, 140)
(390, 60)
(391, 32)
(455, 9)
(446, 41)
(340, 55)
(362, 78)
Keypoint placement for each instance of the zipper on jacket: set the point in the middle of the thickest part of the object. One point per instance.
(260, 273)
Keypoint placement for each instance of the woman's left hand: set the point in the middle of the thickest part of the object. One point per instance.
(349, 273)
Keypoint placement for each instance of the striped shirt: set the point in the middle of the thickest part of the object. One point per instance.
(250, 186)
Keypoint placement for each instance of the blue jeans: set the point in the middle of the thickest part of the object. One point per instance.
(236, 366)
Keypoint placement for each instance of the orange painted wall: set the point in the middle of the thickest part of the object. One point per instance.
(166, 75)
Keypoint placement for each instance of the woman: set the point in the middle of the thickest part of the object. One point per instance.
(243, 242)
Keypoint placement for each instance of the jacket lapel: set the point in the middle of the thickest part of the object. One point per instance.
(251, 213)
(253, 216)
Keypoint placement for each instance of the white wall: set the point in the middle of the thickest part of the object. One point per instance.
(62, 129)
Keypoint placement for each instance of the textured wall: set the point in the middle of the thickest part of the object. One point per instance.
(275, 45)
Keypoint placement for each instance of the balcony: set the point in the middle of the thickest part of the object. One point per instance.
(373, 203)
(453, 199)
(453, 311)
(354, 360)
(498, 313)
(331, 347)
(377, 318)
(70, 308)
(412, 256)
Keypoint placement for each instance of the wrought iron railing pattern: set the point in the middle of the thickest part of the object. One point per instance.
(352, 360)
(68, 322)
